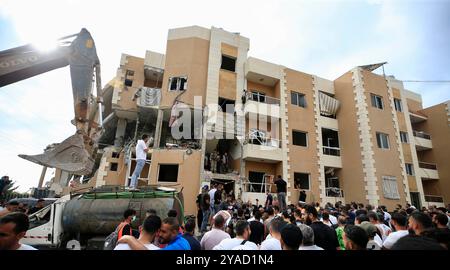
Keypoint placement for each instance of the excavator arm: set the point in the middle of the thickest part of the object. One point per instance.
(74, 154)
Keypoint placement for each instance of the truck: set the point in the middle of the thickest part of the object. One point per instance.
(83, 219)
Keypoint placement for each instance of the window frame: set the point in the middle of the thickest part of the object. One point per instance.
(398, 105)
(411, 169)
(309, 181)
(165, 164)
(229, 57)
(380, 145)
(405, 135)
(306, 137)
(178, 84)
(374, 101)
(298, 96)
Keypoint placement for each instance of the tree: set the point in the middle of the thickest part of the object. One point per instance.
(7, 189)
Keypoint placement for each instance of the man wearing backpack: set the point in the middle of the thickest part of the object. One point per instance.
(124, 228)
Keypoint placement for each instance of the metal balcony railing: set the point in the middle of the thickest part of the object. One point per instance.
(259, 138)
(258, 97)
(331, 151)
(433, 198)
(256, 187)
(422, 135)
(334, 192)
(425, 165)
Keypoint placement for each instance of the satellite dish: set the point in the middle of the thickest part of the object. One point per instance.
(189, 151)
(73, 245)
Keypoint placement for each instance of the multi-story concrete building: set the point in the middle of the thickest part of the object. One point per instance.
(361, 137)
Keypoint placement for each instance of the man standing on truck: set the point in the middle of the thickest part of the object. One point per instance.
(13, 227)
(141, 157)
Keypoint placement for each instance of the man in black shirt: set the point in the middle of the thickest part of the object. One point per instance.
(281, 192)
(302, 197)
(39, 205)
(205, 204)
(256, 229)
(324, 236)
(189, 228)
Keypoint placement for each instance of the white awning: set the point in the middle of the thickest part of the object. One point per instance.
(328, 105)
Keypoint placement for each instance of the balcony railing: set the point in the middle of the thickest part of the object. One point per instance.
(421, 134)
(425, 165)
(334, 192)
(256, 187)
(331, 151)
(258, 97)
(254, 138)
(433, 198)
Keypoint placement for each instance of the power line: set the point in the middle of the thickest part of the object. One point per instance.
(427, 81)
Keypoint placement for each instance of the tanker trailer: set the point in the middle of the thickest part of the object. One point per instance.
(84, 220)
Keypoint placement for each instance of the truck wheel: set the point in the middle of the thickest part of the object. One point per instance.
(73, 245)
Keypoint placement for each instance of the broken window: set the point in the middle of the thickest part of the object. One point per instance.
(115, 155)
(168, 173)
(227, 105)
(228, 63)
(129, 76)
(177, 83)
(114, 166)
(301, 180)
(299, 138)
(377, 101)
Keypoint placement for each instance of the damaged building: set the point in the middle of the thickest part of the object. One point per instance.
(321, 136)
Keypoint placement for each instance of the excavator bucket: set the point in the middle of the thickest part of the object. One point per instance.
(70, 156)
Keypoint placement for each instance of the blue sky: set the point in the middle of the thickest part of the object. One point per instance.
(325, 38)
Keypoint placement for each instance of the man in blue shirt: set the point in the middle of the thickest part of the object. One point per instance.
(189, 228)
(170, 235)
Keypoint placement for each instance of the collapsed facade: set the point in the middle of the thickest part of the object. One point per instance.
(361, 137)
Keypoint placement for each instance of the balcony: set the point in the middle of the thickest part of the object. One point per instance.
(422, 140)
(263, 72)
(261, 104)
(428, 170)
(417, 117)
(430, 200)
(262, 149)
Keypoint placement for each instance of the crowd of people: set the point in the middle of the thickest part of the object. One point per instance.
(231, 224)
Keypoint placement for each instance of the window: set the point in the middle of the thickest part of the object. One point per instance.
(113, 166)
(177, 83)
(301, 180)
(390, 188)
(258, 96)
(228, 63)
(168, 173)
(298, 99)
(256, 182)
(129, 75)
(382, 140)
(404, 137)
(398, 105)
(409, 169)
(227, 105)
(377, 101)
(115, 154)
(299, 138)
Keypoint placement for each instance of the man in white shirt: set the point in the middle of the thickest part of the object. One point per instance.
(150, 229)
(308, 238)
(399, 222)
(241, 239)
(216, 235)
(13, 227)
(275, 227)
(141, 157)
(211, 192)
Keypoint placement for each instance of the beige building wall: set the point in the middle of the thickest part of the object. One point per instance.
(352, 175)
(185, 57)
(302, 159)
(438, 125)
